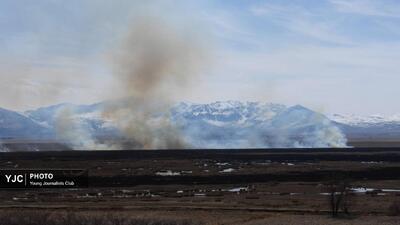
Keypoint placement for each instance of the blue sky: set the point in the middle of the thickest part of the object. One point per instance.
(334, 56)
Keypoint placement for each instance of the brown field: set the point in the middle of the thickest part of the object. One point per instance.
(209, 187)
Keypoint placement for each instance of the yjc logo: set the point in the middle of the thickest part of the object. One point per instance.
(15, 178)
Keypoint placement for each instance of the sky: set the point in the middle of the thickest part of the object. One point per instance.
(333, 56)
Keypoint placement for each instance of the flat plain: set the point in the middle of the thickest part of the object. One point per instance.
(252, 186)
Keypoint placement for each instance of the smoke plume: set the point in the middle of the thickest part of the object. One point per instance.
(70, 131)
(3, 148)
(155, 61)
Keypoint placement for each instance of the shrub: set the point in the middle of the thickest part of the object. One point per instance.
(34, 217)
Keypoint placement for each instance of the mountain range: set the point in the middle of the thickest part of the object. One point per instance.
(222, 124)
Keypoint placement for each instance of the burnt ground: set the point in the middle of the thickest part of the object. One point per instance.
(252, 186)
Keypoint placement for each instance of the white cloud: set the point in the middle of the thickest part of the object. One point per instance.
(347, 79)
(300, 20)
(368, 7)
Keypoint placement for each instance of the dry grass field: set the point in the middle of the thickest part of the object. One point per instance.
(210, 187)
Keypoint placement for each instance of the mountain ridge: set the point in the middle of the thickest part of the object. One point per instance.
(216, 124)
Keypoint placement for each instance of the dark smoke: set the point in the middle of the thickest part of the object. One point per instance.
(155, 60)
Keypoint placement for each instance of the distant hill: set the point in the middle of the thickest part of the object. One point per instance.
(222, 124)
(16, 125)
(368, 127)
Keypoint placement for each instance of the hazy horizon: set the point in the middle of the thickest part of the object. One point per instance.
(210, 102)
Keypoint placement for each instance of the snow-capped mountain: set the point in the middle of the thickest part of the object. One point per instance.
(46, 115)
(368, 127)
(253, 124)
(228, 112)
(222, 124)
(14, 124)
(355, 120)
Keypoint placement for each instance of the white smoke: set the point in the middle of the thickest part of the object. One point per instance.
(295, 127)
(3, 148)
(307, 129)
(300, 128)
(70, 130)
(153, 61)
(327, 137)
